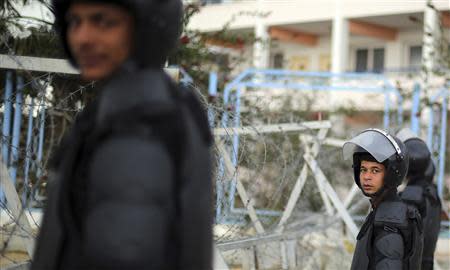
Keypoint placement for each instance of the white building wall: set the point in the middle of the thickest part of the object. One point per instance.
(406, 40)
(396, 52)
(281, 12)
(292, 50)
(318, 13)
(394, 55)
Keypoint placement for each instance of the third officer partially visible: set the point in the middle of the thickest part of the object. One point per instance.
(422, 193)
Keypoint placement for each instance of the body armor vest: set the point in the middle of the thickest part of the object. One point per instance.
(151, 108)
(383, 240)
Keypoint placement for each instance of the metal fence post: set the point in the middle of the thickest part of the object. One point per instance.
(415, 109)
(16, 129)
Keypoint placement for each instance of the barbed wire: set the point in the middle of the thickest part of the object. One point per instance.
(267, 164)
(13, 228)
(245, 155)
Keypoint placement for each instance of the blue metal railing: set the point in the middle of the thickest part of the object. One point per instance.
(7, 107)
(440, 143)
(254, 78)
(10, 144)
(16, 130)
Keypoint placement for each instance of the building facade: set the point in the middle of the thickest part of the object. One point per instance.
(327, 35)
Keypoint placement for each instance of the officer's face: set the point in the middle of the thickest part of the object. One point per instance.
(371, 176)
(99, 38)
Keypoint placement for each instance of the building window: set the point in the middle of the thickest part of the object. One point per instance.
(278, 60)
(378, 60)
(369, 60)
(361, 60)
(415, 56)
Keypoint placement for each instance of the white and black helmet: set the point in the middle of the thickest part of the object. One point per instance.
(383, 148)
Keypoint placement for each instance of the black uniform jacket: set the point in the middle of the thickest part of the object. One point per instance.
(391, 236)
(423, 195)
(131, 184)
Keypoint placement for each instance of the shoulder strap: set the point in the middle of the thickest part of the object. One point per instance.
(412, 194)
(415, 217)
(394, 212)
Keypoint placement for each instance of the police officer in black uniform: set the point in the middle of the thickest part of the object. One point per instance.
(391, 236)
(131, 183)
(422, 193)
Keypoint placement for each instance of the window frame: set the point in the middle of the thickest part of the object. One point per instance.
(370, 61)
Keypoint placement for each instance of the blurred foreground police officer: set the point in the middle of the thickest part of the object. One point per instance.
(391, 236)
(131, 183)
(422, 193)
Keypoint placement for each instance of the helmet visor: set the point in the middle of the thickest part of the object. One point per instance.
(375, 143)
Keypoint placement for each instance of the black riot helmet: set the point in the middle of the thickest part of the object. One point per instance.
(157, 27)
(419, 154)
(377, 145)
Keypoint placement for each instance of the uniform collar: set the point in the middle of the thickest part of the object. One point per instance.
(387, 194)
(130, 89)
